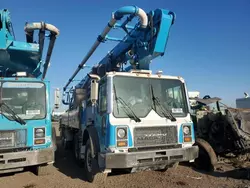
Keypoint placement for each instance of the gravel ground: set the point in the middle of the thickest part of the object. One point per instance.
(66, 174)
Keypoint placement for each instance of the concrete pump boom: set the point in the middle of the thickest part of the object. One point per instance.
(143, 42)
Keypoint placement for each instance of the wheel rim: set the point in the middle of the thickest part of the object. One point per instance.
(88, 160)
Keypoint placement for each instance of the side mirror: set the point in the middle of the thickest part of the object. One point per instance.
(94, 88)
(80, 95)
(57, 98)
(94, 91)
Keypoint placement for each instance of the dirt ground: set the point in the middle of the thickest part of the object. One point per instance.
(66, 174)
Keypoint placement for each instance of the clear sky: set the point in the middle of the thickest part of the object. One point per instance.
(209, 44)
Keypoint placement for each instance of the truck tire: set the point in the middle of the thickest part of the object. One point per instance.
(41, 170)
(207, 158)
(91, 166)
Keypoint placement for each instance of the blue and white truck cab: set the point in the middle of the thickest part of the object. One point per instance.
(144, 118)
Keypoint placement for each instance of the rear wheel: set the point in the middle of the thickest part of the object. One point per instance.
(91, 166)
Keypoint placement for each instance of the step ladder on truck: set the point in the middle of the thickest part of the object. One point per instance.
(27, 139)
(123, 116)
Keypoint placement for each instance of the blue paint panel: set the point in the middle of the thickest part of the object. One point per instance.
(130, 141)
(180, 135)
(111, 135)
(166, 22)
(4, 33)
(192, 128)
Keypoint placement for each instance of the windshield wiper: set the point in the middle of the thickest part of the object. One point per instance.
(128, 110)
(157, 102)
(130, 113)
(14, 115)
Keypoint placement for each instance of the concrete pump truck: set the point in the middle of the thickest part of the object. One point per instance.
(121, 115)
(26, 136)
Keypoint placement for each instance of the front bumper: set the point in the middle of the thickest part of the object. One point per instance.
(148, 158)
(22, 159)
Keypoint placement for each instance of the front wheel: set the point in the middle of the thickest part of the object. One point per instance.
(91, 166)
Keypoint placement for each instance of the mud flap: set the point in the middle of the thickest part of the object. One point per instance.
(95, 166)
(99, 177)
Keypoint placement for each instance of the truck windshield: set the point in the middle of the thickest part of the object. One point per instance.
(26, 99)
(137, 92)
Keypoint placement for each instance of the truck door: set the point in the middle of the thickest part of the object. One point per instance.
(101, 117)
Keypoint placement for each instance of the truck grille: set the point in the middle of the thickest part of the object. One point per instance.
(153, 136)
(12, 139)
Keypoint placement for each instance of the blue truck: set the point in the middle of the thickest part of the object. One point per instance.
(27, 139)
(123, 116)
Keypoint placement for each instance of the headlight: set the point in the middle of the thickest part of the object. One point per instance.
(186, 130)
(39, 132)
(121, 133)
(122, 137)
